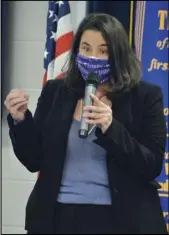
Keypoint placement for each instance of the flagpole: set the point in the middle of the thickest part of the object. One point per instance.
(131, 22)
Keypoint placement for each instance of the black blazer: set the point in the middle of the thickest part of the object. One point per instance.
(135, 145)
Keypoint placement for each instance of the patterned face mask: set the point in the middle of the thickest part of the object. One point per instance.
(90, 64)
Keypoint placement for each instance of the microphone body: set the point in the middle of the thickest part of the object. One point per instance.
(91, 85)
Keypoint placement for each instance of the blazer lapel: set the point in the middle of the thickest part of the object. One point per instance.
(61, 114)
(121, 107)
(69, 101)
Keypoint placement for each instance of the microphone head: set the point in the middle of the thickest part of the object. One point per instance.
(93, 79)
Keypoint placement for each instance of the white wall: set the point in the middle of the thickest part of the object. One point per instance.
(26, 29)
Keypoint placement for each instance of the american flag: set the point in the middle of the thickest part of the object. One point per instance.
(59, 36)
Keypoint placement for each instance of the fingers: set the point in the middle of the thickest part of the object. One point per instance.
(99, 114)
(97, 118)
(97, 109)
(16, 93)
(18, 106)
(98, 106)
(97, 101)
(100, 121)
(14, 110)
(16, 96)
(93, 115)
(16, 101)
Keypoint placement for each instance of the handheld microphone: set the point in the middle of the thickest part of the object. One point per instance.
(92, 82)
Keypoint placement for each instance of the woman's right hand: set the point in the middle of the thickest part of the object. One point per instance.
(17, 103)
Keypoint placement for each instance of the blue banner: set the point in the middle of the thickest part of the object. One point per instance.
(154, 56)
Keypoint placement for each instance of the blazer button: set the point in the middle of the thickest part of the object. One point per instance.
(115, 190)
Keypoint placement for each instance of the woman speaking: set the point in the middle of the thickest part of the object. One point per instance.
(105, 183)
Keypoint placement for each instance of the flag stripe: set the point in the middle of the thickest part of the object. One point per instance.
(64, 26)
(59, 63)
(44, 78)
(64, 43)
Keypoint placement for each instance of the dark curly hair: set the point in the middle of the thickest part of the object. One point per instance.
(125, 67)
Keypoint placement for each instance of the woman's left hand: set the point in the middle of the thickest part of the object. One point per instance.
(100, 114)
